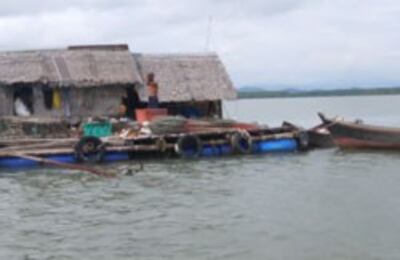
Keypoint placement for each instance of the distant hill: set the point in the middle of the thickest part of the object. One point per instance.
(287, 93)
(251, 89)
(267, 87)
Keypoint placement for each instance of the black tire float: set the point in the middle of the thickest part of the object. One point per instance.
(189, 146)
(241, 143)
(303, 140)
(90, 149)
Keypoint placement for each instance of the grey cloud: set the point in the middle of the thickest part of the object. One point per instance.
(182, 11)
(299, 42)
(32, 7)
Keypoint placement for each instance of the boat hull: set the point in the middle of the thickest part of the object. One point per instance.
(361, 136)
(320, 139)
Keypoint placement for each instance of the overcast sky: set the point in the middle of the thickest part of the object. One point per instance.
(314, 43)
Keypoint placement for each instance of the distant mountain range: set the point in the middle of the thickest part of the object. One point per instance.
(260, 92)
(270, 88)
(251, 89)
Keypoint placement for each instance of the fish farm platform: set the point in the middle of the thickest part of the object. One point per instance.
(90, 149)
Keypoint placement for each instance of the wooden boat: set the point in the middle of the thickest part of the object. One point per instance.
(358, 135)
(318, 137)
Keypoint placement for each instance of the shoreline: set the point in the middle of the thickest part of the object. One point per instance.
(318, 93)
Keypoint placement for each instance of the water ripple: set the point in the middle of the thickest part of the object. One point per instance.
(243, 207)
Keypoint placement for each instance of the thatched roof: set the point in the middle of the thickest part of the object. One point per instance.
(181, 77)
(187, 77)
(76, 66)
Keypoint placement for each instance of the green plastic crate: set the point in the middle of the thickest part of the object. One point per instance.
(97, 129)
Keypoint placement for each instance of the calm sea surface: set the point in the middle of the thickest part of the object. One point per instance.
(326, 204)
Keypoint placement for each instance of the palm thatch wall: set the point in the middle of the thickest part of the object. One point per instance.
(85, 102)
(6, 101)
(96, 76)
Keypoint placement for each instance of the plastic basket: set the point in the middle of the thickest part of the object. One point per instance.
(97, 129)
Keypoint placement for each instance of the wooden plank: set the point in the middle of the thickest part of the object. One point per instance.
(46, 145)
(42, 152)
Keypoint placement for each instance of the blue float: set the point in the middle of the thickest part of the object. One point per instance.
(15, 162)
(268, 146)
(275, 146)
(261, 147)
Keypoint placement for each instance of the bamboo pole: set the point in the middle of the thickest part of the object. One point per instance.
(30, 141)
(44, 145)
(65, 165)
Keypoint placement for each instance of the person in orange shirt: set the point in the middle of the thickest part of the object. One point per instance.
(152, 88)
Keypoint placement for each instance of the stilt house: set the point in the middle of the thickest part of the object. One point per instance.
(84, 81)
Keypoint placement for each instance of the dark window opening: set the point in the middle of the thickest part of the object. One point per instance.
(48, 97)
(131, 102)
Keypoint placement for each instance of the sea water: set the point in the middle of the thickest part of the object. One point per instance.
(325, 204)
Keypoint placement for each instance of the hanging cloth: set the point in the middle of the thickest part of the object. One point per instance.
(66, 101)
(20, 108)
(56, 98)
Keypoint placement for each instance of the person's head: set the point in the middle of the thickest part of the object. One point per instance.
(150, 77)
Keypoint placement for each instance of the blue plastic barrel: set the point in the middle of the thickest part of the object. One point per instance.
(210, 151)
(273, 146)
(116, 156)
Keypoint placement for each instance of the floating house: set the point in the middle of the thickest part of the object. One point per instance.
(86, 81)
(39, 88)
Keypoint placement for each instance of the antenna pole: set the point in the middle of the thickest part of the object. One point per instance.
(209, 32)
